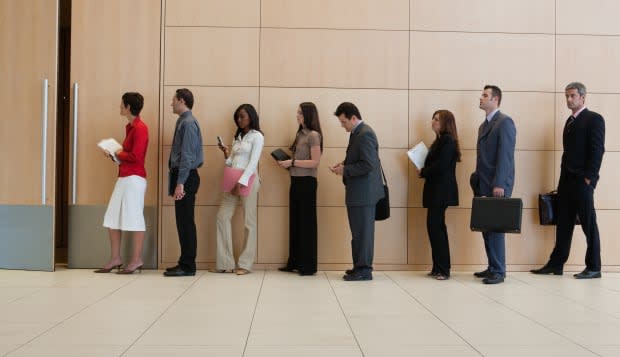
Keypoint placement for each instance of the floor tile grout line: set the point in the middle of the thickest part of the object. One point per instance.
(162, 314)
(71, 316)
(260, 291)
(27, 295)
(344, 314)
(37, 289)
(432, 313)
(531, 319)
(552, 292)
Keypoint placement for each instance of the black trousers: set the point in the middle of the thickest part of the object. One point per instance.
(438, 236)
(186, 227)
(302, 250)
(362, 225)
(575, 197)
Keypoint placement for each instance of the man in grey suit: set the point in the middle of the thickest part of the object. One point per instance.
(495, 174)
(361, 175)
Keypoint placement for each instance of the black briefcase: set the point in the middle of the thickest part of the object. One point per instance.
(496, 214)
(548, 208)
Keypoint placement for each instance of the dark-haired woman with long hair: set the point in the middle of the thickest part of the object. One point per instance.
(306, 150)
(440, 188)
(244, 155)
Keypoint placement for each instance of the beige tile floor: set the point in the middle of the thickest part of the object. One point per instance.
(269, 313)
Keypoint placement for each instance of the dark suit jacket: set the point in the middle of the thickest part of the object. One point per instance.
(440, 187)
(495, 159)
(362, 172)
(584, 145)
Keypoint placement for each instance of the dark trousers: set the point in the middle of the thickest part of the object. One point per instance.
(575, 197)
(362, 224)
(495, 247)
(438, 236)
(186, 227)
(302, 225)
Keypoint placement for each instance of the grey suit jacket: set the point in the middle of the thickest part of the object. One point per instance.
(362, 172)
(495, 159)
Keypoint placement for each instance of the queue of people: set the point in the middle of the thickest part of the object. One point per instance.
(494, 176)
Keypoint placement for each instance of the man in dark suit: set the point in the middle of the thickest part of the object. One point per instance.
(584, 145)
(495, 174)
(361, 175)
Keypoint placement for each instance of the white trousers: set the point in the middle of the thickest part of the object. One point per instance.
(225, 259)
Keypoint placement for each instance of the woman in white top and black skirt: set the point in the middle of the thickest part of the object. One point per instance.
(306, 149)
(246, 150)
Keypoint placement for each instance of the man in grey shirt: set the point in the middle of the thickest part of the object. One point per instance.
(185, 158)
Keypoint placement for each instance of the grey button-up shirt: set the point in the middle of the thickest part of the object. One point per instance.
(186, 153)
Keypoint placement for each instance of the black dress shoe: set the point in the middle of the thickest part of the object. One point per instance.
(287, 269)
(357, 277)
(493, 278)
(306, 273)
(546, 270)
(588, 274)
(173, 268)
(349, 271)
(482, 274)
(179, 272)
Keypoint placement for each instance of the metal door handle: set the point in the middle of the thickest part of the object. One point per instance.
(75, 142)
(44, 142)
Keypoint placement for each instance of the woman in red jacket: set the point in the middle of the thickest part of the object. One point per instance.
(126, 208)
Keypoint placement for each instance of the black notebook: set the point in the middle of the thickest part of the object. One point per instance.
(280, 155)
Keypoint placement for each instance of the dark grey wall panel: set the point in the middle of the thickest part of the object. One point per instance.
(89, 245)
(26, 237)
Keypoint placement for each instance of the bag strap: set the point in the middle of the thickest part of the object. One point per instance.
(382, 173)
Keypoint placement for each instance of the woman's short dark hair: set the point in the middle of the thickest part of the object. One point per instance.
(135, 102)
(187, 96)
(252, 114)
(448, 126)
(349, 110)
(311, 121)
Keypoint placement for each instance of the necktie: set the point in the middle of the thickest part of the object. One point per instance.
(570, 123)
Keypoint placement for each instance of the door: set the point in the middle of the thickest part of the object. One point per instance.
(28, 47)
(115, 48)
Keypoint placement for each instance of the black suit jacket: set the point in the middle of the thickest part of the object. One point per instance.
(362, 168)
(584, 145)
(440, 187)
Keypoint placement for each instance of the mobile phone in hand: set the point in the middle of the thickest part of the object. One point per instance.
(219, 141)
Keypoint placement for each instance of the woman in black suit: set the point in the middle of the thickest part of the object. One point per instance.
(440, 188)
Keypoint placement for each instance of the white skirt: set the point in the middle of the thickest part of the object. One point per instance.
(126, 208)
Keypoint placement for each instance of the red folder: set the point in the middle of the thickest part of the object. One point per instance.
(231, 178)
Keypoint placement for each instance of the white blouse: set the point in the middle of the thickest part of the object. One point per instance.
(245, 154)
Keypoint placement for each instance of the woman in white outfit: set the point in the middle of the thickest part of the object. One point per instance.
(244, 155)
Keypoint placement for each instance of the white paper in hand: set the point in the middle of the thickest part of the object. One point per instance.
(110, 146)
(417, 154)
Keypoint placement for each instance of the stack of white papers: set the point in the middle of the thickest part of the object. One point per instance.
(110, 146)
(417, 154)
